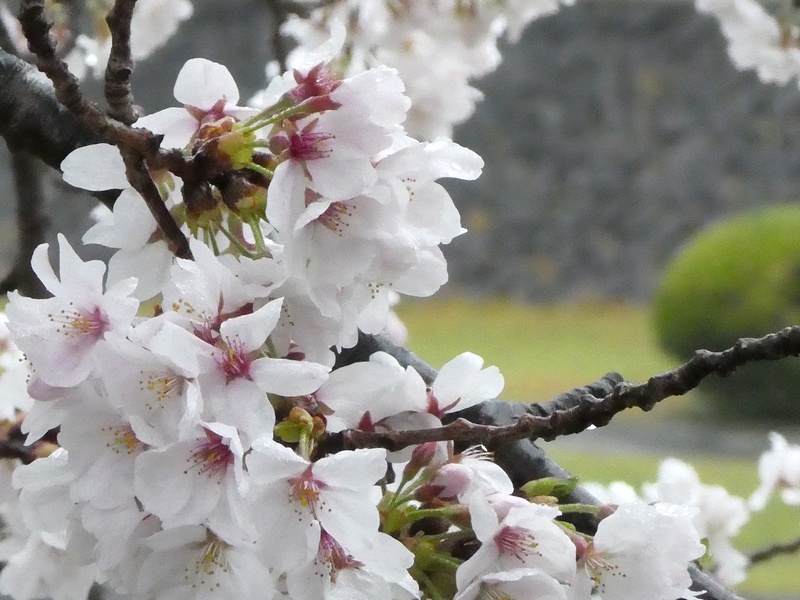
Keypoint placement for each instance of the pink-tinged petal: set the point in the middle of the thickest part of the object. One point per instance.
(202, 83)
(174, 123)
(288, 377)
(252, 330)
(95, 168)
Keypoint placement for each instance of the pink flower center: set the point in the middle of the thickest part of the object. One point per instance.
(309, 145)
(74, 323)
(332, 557)
(212, 456)
(306, 489)
(516, 541)
(233, 360)
(435, 408)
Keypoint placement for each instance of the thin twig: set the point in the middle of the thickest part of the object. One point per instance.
(763, 554)
(588, 409)
(36, 27)
(139, 178)
(120, 64)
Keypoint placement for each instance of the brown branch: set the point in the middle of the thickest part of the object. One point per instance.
(31, 118)
(763, 554)
(588, 409)
(36, 27)
(120, 64)
(521, 459)
(139, 177)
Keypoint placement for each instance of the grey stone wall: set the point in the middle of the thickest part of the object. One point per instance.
(611, 132)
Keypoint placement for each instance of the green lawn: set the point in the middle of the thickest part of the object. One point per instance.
(541, 350)
(546, 350)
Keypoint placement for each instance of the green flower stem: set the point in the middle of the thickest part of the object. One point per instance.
(236, 243)
(579, 508)
(450, 535)
(252, 221)
(426, 581)
(259, 169)
(415, 514)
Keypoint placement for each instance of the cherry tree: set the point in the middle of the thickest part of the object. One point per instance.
(221, 410)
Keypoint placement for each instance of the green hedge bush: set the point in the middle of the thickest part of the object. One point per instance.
(740, 278)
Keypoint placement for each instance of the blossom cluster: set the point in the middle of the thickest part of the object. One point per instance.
(181, 407)
(462, 35)
(758, 40)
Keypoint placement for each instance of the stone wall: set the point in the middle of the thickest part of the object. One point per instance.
(611, 133)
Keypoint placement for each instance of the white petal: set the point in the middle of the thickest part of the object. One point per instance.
(95, 168)
(252, 330)
(202, 83)
(288, 377)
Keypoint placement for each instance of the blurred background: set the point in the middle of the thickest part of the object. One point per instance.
(614, 133)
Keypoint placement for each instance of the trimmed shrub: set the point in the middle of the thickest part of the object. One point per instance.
(740, 278)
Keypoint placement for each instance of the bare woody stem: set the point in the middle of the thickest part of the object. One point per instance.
(139, 147)
(139, 177)
(764, 554)
(120, 64)
(588, 409)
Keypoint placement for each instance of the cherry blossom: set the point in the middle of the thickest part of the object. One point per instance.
(640, 551)
(79, 315)
(778, 468)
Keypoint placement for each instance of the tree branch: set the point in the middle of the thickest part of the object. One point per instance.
(763, 554)
(120, 64)
(523, 461)
(574, 411)
(31, 119)
(139, 178)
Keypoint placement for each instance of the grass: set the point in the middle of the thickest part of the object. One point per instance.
(544, 350)
(541, 350)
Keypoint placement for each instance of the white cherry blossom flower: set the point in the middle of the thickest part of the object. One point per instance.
(196, 481)
(640, 551)
(192, 563)
(208, 92)
(527, 538)
(59, 335)
(294, 500)
(778, 468)
(719, 515)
